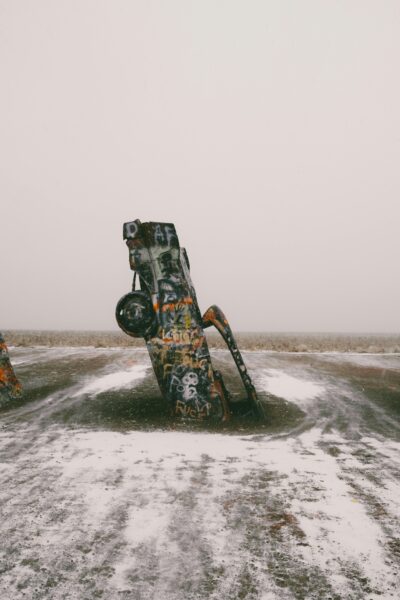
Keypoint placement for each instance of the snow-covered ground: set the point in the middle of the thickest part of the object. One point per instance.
(101, 497)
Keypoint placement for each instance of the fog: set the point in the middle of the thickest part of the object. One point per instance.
(267, 131)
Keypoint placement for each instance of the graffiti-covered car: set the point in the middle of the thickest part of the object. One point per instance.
(166, 314)
(10, 387)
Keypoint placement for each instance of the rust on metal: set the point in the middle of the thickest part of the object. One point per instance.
(166, 314)
(10, 387)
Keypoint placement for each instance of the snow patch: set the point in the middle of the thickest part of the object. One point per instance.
(113, 381)
(291, 388)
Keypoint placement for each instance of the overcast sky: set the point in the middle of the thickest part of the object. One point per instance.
(267, 131)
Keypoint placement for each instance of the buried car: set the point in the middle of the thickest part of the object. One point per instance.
(10, 388)
(166, 314)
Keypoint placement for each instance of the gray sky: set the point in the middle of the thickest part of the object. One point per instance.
(267, 131)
